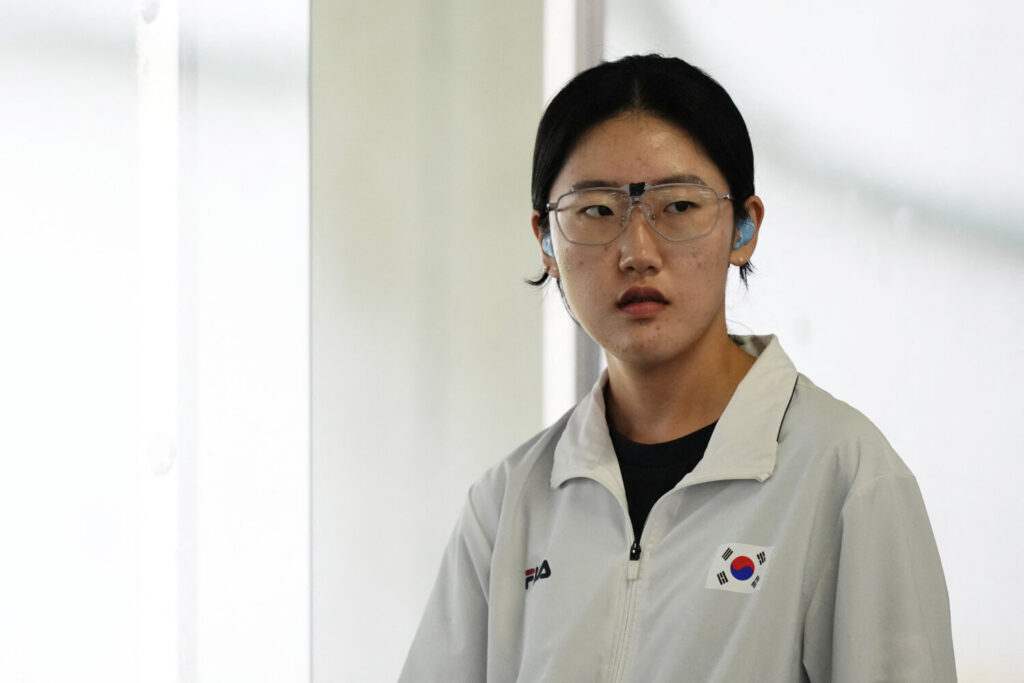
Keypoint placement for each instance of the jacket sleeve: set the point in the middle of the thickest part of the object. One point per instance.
(881, 611)
(451, 643)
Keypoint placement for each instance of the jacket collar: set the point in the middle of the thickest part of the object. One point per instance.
(743, 446)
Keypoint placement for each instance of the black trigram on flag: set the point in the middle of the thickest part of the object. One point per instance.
(760, 558)
(722, 578)
(727, 554)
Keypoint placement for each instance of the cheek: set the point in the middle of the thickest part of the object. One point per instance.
(577, 278)
(702, 262)
(712, 259)
(576, 265)
(582, 280)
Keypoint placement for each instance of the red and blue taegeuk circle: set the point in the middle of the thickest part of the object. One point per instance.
(742, 568)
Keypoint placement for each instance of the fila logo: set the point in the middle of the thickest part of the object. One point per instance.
(538, 573)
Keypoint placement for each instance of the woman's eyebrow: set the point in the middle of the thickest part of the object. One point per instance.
(678, 178)
(587, 184)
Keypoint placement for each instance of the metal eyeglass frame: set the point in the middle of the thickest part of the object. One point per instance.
(635, 191)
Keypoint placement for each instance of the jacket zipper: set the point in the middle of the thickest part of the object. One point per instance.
(618, 667)
(632, 572)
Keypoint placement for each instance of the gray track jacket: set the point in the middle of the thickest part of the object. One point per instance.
(798, 549)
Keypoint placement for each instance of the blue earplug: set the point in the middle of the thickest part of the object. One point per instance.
(545, 245)
(745, 226)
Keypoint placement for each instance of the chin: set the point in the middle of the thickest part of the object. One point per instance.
(647, 347)
(642, 353)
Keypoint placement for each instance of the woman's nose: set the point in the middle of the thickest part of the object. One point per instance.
(639, 249)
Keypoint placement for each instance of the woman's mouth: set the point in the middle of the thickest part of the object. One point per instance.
(642, 302)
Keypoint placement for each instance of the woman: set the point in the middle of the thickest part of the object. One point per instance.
(706, 513)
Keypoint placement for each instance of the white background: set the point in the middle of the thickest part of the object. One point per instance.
(154, 352)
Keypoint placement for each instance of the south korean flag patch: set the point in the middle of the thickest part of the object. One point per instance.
(738, 567)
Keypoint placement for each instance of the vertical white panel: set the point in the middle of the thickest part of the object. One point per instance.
(426, 340)
(245, 342)
(573, 41)
(559, 332)
(157, 449)
(154, 364)
(68, 342)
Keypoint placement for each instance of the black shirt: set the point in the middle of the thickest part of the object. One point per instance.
(649, 471)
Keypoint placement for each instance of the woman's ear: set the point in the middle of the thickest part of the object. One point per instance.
(547, 249)
(746, 230)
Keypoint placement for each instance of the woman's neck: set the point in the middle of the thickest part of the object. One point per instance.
(654, 404)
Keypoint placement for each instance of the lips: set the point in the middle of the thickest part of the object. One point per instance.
(642, 302)
(640, 295)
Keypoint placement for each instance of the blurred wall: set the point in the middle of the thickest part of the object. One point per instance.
(891, 259)
(68, 342)
(244, 246)
(154, 355)
(425, 340)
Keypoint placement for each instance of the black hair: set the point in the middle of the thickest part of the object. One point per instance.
(665, 87)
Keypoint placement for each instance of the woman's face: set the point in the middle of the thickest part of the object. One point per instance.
(645, 300)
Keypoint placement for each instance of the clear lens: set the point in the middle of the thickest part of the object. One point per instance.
(677, 212)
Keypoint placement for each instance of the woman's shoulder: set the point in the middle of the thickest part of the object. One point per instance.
(818, 423)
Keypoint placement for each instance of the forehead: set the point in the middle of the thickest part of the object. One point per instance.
(636, 148)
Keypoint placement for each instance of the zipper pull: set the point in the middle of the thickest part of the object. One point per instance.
(633, 566)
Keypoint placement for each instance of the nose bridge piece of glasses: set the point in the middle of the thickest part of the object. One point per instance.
(636, 191)
(645, 211)
(635, 199)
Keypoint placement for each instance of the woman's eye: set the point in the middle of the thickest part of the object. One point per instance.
(598, 211)
(679, 207)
